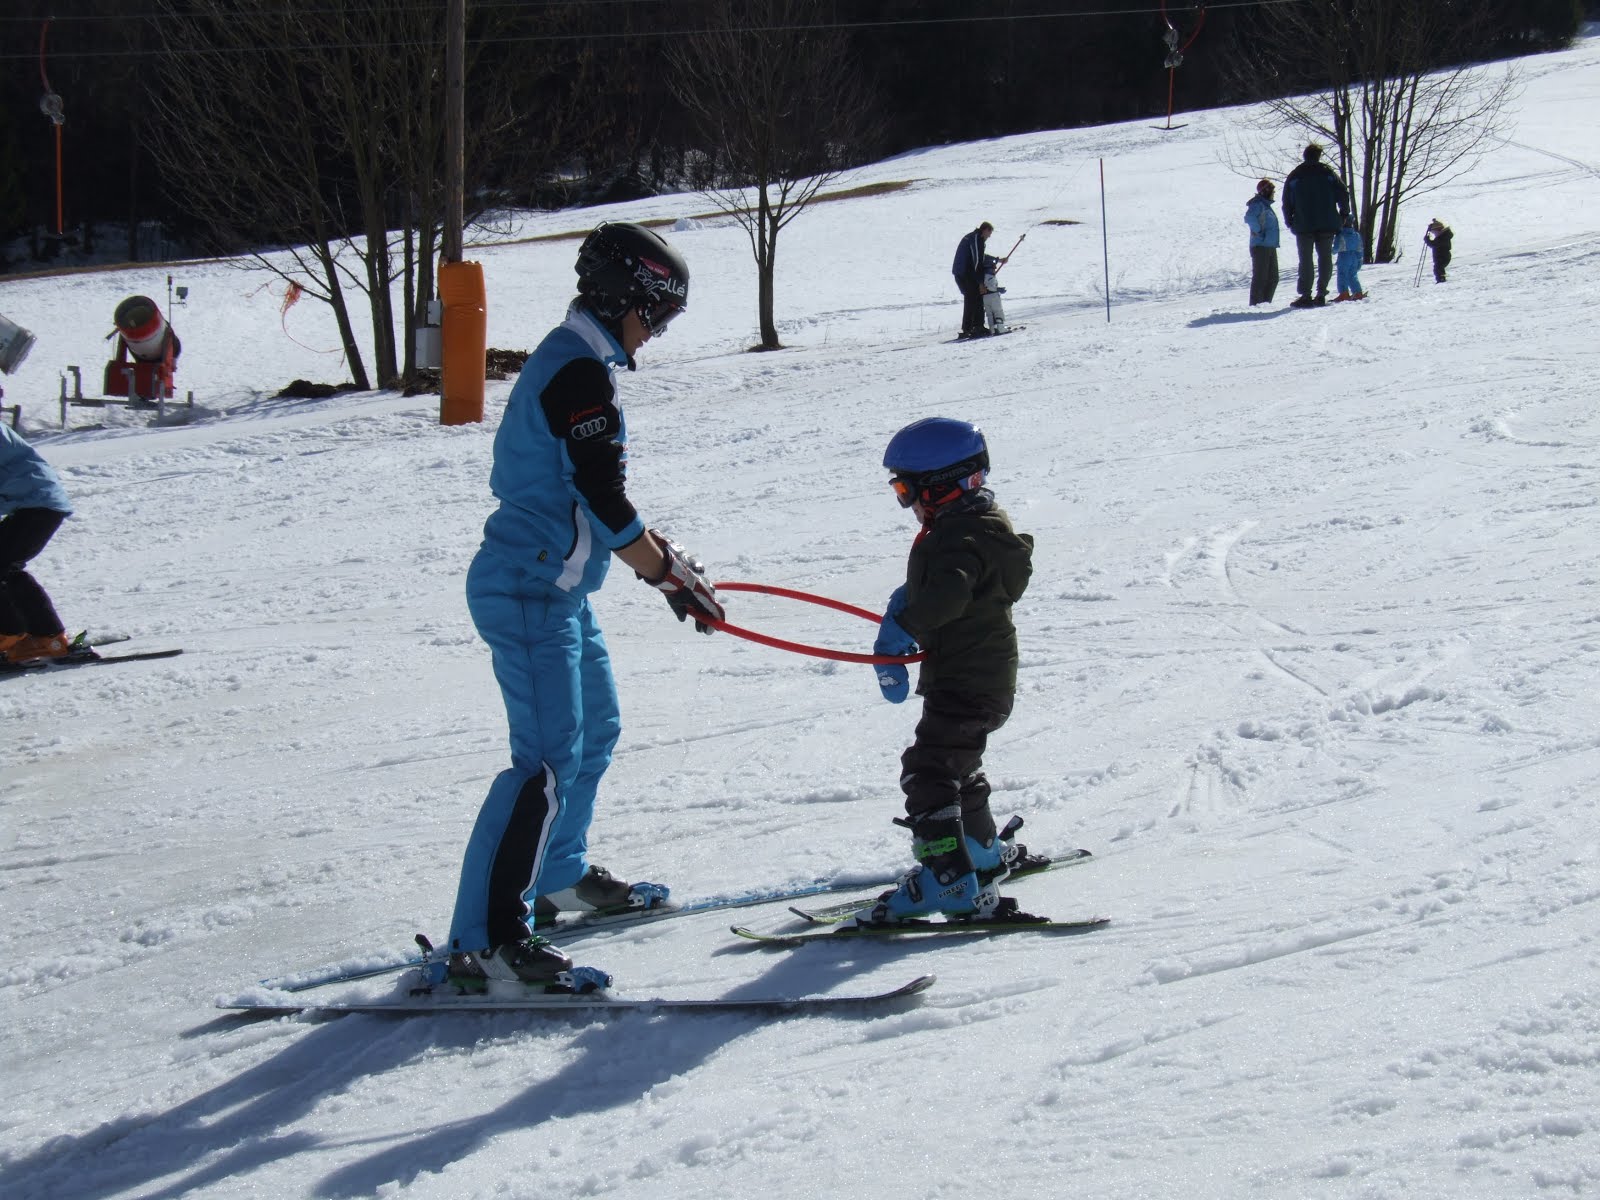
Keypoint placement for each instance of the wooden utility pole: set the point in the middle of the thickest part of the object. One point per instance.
(455, 92)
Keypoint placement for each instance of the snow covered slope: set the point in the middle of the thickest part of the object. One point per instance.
(1310, 662)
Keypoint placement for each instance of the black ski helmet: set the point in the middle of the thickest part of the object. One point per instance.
(935, 460)
(623, 266)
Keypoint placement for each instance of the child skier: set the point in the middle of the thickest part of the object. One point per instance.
(1350, 249)
(33, 504)
(993, 308)
(966, 569)
(1438, 239)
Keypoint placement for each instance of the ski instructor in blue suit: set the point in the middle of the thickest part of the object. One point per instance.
(559, 471)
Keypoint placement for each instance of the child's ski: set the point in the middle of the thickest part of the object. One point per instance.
(829, 914)
(921, 929)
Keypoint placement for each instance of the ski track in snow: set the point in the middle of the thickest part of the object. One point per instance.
(1309, 661)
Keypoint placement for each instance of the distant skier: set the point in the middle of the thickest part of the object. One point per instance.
(1315, 204)
(1438, 240)
(994, 309)
(966, 569)
(559, 462)
(33, 504)
(1263, 224)
(967, 267)
(1350, 249)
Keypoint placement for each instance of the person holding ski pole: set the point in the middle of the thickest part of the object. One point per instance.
(33, 504)
(966, 569)
(967, 268)
(1438, 240)
(558, 473)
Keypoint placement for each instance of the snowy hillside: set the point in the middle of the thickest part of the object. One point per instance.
(1310, 663)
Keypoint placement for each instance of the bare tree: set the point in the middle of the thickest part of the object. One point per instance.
(323, 127)
(779, 105)
(1403, 120)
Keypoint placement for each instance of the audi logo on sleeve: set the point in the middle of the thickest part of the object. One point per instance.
(588, 429)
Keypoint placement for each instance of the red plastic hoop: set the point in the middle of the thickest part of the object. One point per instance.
(768, 589)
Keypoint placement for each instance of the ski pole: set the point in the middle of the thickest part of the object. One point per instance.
(1417, 282)
(1009, 253)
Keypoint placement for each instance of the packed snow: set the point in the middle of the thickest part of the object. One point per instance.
(1310, 663)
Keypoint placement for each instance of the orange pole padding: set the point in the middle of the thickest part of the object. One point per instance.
(463, 341)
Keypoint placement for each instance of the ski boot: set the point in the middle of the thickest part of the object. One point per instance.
(34, 647)
(533, 962)
(598, 891)
(943, 881)
(1003, 856)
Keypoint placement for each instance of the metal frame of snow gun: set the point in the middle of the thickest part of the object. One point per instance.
(767, 589)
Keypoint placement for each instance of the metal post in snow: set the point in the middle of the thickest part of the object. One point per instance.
(1105, 241)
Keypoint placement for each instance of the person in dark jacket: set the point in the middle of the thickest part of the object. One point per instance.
(33, 504)
(968, 270)
(1315, 204)
(1263, 224)
(966, 569)
(1438, 239)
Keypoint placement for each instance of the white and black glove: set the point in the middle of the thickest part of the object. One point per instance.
(685, 585)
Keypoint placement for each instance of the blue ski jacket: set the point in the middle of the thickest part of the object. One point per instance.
(1263, 222)
(560, 461)
(26, 480)
(1348, 241)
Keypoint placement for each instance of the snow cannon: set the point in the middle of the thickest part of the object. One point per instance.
(143, 335)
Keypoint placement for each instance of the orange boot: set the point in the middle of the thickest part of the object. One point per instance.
(36, 646)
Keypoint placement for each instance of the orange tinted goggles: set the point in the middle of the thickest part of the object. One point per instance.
(905, 490)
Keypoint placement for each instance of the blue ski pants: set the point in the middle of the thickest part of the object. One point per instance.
(531, 835)
(1349, 266)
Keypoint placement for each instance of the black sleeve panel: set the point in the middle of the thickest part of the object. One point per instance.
(580, 406)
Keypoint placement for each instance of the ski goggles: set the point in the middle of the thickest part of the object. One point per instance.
(656, 315)
(905, 490)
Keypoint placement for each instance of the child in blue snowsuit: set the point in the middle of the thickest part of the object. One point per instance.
(1350, 249)
(559, 474)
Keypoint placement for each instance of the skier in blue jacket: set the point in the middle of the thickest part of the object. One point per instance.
(1263, 224)
(1349, 249)
(559, 474)
(33, 504)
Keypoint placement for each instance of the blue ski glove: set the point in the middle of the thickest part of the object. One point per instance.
(893, 641)
(894, 682)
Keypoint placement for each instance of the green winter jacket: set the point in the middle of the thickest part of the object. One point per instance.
(963, 576)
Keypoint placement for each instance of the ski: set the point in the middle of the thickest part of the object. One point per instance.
(77, 659)
(589, 1002)
(1003, 333)
(920, 929)
(830, 914)
(567, 929)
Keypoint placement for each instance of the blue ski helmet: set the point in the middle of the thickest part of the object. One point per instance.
(623, 266)
(935, 460)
